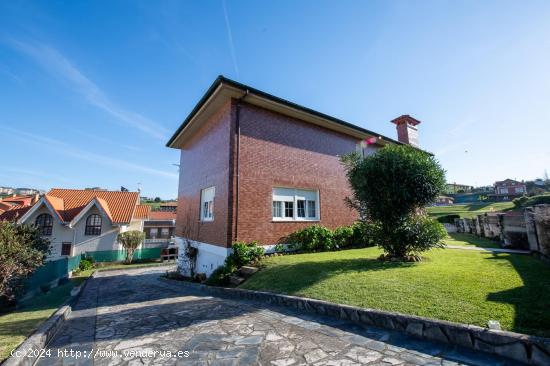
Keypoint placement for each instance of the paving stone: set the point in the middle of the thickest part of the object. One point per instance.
(134, 310)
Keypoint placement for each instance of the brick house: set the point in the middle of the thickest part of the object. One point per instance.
(508, 189)
(257, 167)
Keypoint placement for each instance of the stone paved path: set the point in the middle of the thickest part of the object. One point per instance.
(124, 317)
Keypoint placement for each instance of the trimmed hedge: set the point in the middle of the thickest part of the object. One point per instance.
(318, 238)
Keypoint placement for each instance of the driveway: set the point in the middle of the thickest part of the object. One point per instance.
(132, 317)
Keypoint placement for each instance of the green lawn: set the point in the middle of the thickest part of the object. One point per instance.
(456, 285)
(16, 326)
(470, 240)
(469, 210)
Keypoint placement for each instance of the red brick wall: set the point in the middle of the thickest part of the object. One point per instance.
(204, 163)
(278, 151)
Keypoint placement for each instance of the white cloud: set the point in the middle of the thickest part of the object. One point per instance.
(73, 152)
(56, 63)
(230, 37)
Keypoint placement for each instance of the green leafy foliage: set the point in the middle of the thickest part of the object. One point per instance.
(130, 241)
(525, 201)
(314, 238)
(448, 219)
(343, 237)
(243, 254)
(22, 251)
(86, 264)
(390, 189)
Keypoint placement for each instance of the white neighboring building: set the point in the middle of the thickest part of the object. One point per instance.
(86, 221)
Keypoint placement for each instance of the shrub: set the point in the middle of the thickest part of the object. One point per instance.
(525, 201)
(416, 234)
(279, 248)
(448, 219)
(343, 237)
(245, 253)
(130, 241)
(312, 239)
(86, 264)
(363, 234)
(390, 188)
(22, 251)
(220, 276)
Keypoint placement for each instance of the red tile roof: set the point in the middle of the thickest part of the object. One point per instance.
(162, 215)
(69, 202)
(14, 213)
(142, 212)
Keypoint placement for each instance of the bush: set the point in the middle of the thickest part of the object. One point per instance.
(343, 237)
(363, 234)
(448, 219)
(313, 238)
(416, 234)
(390, 189)
(220, 276)
(245, 253)
(22, 251)
(86, 264)
(525, 201)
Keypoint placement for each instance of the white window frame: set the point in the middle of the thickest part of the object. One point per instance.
(291, 198)
(207, 204)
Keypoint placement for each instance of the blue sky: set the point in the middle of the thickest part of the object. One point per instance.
(91, 91)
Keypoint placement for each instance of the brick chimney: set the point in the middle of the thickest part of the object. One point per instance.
(407, 132)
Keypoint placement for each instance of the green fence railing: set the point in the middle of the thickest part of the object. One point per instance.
(51, 271)
(120, 255)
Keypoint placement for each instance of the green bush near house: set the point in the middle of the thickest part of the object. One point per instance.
(22, 251)
(243, 254)
(390, 189)
(314, 238)
(86, 264)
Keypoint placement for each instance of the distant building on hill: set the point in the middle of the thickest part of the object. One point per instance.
(168, 206)
(454, 188)
(444, 201)
(507, 190)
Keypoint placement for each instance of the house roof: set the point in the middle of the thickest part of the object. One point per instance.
(224, 89)
(68, 203)
(18, 200)
(142, 212)
(14, 213)
(162, 215)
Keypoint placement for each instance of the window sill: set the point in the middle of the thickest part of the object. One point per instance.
(296, 221)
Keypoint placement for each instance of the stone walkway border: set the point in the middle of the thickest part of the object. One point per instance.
(520, 347)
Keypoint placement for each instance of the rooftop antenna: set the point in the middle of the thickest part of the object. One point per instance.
(139, 187)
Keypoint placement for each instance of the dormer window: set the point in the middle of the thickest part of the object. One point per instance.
(93, 225)
(44, 223)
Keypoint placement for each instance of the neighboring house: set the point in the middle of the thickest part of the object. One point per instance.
(444, 201)
(452, 188)
(159, 228)
(508, 189)
(257, 167)
(86, 221)
(14, 206)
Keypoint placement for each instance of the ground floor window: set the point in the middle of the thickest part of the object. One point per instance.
(66, 248)
(295, 204)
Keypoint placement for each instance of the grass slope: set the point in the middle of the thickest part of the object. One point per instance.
(469, 210)
(470, 240)
(456, 285)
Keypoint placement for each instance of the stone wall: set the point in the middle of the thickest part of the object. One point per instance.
(528, 230)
